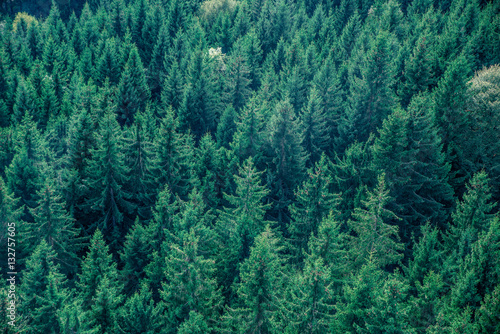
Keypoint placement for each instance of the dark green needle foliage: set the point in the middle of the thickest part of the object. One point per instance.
(251, 166)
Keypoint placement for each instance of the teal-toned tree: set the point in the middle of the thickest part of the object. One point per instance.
(139, 314)
(97, 266)
(43, 291)
(190, 285)
(313, 203)
(133, 91)
(108, 202)
(259, 289)
(53, 224)
(375, 240)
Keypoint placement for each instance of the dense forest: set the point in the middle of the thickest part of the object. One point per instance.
(250, 166)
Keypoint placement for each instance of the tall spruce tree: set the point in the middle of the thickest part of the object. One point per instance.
(133, 91)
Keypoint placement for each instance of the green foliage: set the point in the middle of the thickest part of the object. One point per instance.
(205, 121)
(375, 240)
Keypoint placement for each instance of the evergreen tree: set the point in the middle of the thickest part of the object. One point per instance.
(140, 164)
(260, 288)
(196, 111)
(309, 301)
(313, 203)
(239, 224)
(135, 256)
(139, 314)
(248, 138)
(108, 202)
(472, 215)
(374, 238)
(97, 266)
(42, 291)
(371, 96)
(171, 95)
(54, 225)
(315, 127)
(174, 156)
(133, 91)
(189, 285)
(286, 155)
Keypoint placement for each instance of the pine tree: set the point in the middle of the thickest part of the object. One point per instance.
(418, 71)
(326, 83)
(196, 112)
(141, 166)
(54, 225)
(315, 127)
(374, 238)
(313, 203)
(42, 291)
(472, 214)
(239, 81)
(371, 96)
(248, 138)
(108, 202)
(286, 155)
(226, 127)
(139, 314)
(10, 213)
(173, 90)
(239, 224)
(174, 156)
(309, 301)
(97, 266)
(189, 285)
(108, 64)
(133, 91)
(135, 256)
(260, 288)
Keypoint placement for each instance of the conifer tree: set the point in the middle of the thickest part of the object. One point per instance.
(53, 224)
(108, 202)
(108, 64)
(135, 256)
(97, 266)
(260, 288)
(189, 285)
(171, 95)
(248, 138)
(174, 156)
(309, 302)
(197, 108)
(286, 155)
(315, 127)
(10, 213)
(140, 164)
(133, 91)
(472, 214)
(226, 127)
(239, 81)
(42, 291)
(313, 203)
(371, 96)
(139, 314)
(374, 238)
(239, 224)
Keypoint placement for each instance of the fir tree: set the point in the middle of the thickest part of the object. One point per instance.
(97, 266)
(108, 202)
(259, 289)
(189, 285)
(313, 203)
(133, 91)
(53, 224)
(42, 291)
(375, 239)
